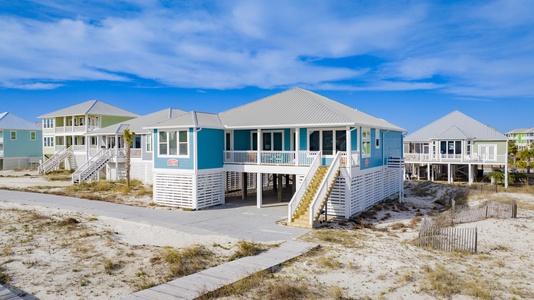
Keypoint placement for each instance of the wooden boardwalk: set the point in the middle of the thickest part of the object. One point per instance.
(7, 294)
(195, 285)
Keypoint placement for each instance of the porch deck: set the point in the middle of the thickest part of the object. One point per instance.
(455, 158)
(284, 158)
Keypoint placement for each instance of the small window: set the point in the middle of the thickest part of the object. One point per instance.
(173, 143)
(13, 135)
(33, 135)
(377, 138)
(81, 121)
(366, 142)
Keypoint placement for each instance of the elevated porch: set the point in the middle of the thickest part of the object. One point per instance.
(473, 158)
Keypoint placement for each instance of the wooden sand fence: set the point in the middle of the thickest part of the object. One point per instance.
(447, 238)
(439, 236)
(488, 209)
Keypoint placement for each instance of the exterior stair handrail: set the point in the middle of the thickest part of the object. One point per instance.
(86, 170)
(297, 197)
(324, 189)
(53, 161)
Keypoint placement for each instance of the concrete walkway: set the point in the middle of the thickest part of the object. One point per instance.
(236, 221)
(192, 286)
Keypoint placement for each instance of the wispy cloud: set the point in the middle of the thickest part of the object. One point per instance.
(464, 49)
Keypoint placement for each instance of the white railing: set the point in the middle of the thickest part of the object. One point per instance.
(79, 148)
(93, 165)
(55, 160)
(136, 153)
(474, 157)
(278, 158)
(352, 161)
(324, 188)
(69, 129)
(299, 194)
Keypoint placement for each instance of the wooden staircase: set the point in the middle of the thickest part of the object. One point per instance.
(301, 217)
(50, 164)
(92, 167)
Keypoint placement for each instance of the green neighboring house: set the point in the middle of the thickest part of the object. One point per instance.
(65, 133)
(20, 142)
(522, 137)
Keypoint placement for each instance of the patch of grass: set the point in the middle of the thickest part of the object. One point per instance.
(110, 266)
(343, 237)
(69, 222)
(439, 281)
(245, 248)
(4, 277)
(329, 263)
(287, 289)
(186, 261)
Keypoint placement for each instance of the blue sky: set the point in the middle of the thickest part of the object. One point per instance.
(409, 62)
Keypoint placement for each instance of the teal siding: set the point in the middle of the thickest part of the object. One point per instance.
(23, 146)
(376, 159)
(392, 142)
(287, 139)
(354, 139)
(210, 148)
(183, 163)
(303, 139)
(242, 140)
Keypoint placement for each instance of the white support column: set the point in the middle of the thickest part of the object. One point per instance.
(470, 174)
(116, 157)
(259, 146)
(428, 172)
(448, 173)
(348, 137)
(297, 146)
(259, 190)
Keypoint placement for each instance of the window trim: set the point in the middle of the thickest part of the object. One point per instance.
(365, 140)
(149, 142)
(33, 135)
(334, 139)
(11, 135)
(177, 144)
(48, 141)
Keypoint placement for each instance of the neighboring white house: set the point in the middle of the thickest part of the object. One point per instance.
(453, 148)
(523, 137)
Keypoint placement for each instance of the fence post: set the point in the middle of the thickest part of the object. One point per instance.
(487, 210)
(476, 239)
(514, 209)
(453, 205)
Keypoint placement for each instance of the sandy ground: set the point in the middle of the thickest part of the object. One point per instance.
(27, 178)
(101, 258)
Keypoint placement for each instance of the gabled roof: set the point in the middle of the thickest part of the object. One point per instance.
(191, 120)
(138, 124)
(10, 121)
(91, 107)
(299, 107)
(455, 125)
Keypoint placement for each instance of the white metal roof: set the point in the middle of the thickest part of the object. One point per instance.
(10, 121)
(521, 130)
(191, 120)
(91, 107)
(455, 125)
(138, 124)
(299, 108)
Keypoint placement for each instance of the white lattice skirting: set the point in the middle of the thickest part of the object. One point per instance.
(189, 190)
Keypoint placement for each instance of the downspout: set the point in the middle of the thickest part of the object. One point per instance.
(195, 160)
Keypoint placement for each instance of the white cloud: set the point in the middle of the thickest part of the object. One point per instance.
(465, 49)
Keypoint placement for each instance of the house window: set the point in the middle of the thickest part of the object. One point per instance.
(33, 135)
(48, 123)
(327, 141)
(173, 143)
(366, 142)
(81, 121)
(149, 143)
(487, 152)
(377, 138)
(228, 141)
(13, 135)
(468, 150)
(48, 141)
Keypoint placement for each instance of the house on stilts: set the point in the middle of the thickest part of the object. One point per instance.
(455, 147)
(332, 158)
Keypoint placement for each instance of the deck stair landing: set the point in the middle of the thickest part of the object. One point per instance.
(92, 167)
(301, 217)
(53, 162)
